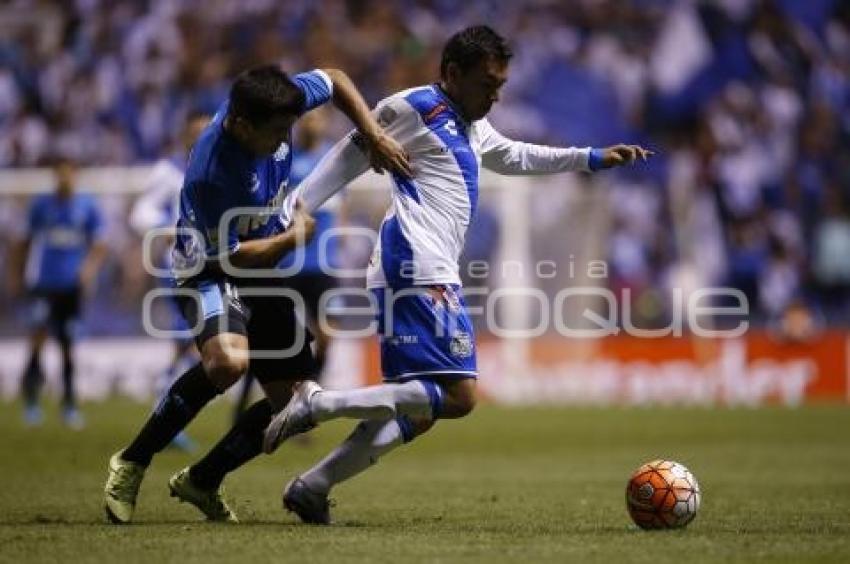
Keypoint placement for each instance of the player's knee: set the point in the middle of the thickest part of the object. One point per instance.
(224, 369)
(464, 405)
(460, 399)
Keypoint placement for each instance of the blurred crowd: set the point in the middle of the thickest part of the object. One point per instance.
(747, 102)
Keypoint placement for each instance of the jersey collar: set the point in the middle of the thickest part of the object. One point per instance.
(442, 93)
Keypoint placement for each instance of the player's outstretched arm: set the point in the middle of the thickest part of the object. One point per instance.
(350, 157)
(386, 153)
(509, 157)
(343, 163)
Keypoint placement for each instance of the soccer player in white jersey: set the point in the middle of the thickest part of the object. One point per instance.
(158, 207)
(427, 343)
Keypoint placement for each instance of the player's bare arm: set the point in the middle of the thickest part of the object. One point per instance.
(386, 153)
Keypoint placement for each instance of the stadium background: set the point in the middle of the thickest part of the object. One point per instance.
(746, 102)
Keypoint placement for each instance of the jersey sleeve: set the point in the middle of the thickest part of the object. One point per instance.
(509, 157)
(316, 86)
(341, 165)
(348, 159)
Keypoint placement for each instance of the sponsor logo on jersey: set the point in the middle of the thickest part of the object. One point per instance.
(435, 111)
(403, 340)
(386, 116)
(281, 152)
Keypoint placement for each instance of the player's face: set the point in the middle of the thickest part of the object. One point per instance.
(478, 88)
(266, 138)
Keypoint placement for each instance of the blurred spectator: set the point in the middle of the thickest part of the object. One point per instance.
(752, 117)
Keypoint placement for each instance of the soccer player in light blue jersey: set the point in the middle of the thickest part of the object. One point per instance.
(63, 251)
(241, 160)
(427, 340)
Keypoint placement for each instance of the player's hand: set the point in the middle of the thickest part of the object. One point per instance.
(303, 224)
(619, 155)
(385, 153)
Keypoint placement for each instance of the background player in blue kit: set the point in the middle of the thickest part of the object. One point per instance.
(311, 280)
(241, 160)
(158, 207)
(59, 262)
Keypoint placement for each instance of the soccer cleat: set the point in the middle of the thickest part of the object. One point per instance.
(210, 503)
(295, 418)
(73, 419)
(122, 488)
(311, 507)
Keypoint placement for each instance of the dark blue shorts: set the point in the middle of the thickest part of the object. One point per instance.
(279, 341)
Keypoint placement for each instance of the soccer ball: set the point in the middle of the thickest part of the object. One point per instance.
(662, 494)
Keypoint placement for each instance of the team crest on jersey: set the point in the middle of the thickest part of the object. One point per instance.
(461, 345)
(281, 152)
(255, 182)
(386, 116)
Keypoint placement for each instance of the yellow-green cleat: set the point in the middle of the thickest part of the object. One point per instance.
(210, 503)
(122, 488)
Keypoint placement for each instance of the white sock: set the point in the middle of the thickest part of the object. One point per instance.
(415, 398)
(369, 441)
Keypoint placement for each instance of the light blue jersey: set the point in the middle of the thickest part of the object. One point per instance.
(62, 231)
(221, 175)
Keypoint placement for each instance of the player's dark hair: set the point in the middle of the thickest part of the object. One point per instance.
(472, 45)
(260, 93)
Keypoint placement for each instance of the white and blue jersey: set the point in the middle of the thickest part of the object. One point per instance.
(158, 208)
(159, 203)
(62, 231)
(423, 232)
(221, 175)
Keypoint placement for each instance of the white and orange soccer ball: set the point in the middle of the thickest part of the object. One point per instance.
(662, 494)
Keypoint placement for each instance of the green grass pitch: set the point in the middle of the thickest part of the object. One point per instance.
(533, 485)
